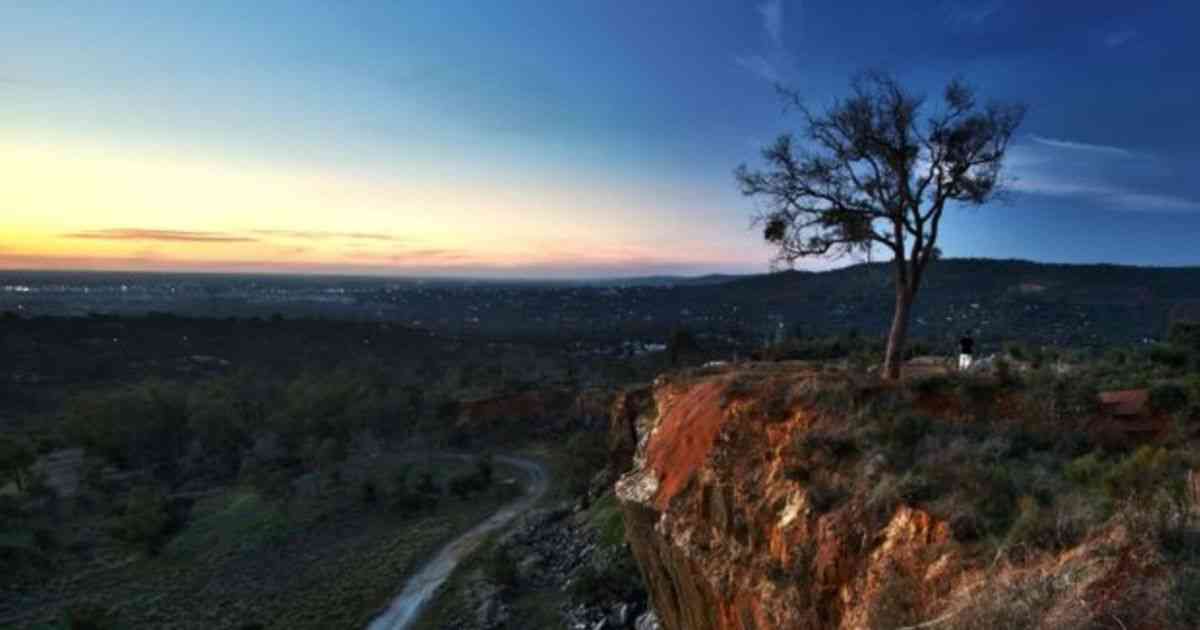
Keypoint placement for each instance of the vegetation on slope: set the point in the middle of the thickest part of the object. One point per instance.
(1023, 464)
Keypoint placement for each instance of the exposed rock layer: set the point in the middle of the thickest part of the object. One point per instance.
(728, 538)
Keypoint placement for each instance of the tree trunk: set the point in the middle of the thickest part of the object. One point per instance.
(894, 355)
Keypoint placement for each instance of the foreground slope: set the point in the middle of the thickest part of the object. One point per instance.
(790, 497)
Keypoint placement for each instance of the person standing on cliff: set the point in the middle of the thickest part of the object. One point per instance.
(966, 352)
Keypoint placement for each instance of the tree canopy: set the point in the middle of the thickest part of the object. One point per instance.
(877, 170)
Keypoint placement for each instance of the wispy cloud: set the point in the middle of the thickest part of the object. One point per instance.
(1097, 175)
(1103, 195)
(961, 13)
(1153, 201)
(1119, 38)
(318, 235)
(774, 62)
(760, 66)
(1060, 143)
(168, 236)
(772, 17)
(426, 256)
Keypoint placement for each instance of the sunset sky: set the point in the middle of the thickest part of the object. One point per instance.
(552, 139)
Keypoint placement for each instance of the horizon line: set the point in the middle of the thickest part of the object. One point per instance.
(385, 275)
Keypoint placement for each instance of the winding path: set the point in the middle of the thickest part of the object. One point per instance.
(405, 608)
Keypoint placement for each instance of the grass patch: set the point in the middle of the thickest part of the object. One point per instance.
(241, 520)
(606, 519)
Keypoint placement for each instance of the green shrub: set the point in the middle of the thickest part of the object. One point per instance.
(1168, 356)
(269, 481)
(146, 520)
(608, 522)
(1085, 470)
(1185, 600)
(917, 487)
(1185, 334)
(500, 568)
(1140, 474)
(992, 491)
(1167, 398)
(1031, 526)
(617, 579)
(883, 498)
(588, 455)
(141, 425)
(424, 495)
(908, 430)
(240, 520)
(15, 460)
(824, 445)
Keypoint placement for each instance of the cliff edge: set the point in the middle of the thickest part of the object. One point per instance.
(787, 496)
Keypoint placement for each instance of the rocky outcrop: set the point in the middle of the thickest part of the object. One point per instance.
(627, 407)
(551, 554)
(729, 535)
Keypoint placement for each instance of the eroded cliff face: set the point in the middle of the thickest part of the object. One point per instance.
(729, 535)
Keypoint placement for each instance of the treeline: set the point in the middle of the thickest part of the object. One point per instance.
(221, 425)
(152, 446)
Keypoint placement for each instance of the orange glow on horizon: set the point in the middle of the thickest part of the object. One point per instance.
(91, 206)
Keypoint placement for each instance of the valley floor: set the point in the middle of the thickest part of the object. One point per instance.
(330, 560)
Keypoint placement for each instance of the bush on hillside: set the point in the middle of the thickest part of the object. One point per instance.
(1140, 474)
(615, 579)
(1085, 470)
(478, 480)
(1185, 334)
(15, 460)
(146, 520)
(588, 455)
(136, 426)
(1167, 398)
(1168, 356)
(421, 496)
(500, 567)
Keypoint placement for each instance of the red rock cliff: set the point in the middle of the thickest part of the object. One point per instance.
(729, 538)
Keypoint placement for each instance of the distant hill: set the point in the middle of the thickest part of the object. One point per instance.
(1054, 303)
(1075, 305)
(667, 281)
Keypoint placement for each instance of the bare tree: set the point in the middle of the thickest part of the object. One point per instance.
(876, 173)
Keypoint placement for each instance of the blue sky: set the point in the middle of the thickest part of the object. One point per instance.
(554, 139)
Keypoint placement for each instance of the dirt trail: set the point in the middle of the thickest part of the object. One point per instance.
(405, 608)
